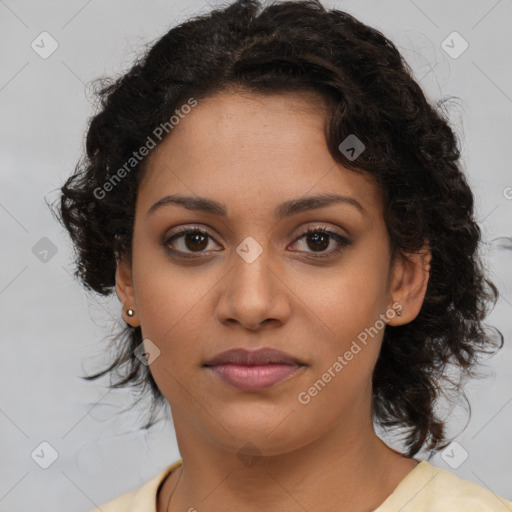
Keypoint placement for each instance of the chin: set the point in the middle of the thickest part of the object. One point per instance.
(269, 435)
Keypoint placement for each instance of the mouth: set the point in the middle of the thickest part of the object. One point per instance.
(253, 370)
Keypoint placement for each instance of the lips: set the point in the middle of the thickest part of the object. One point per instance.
(253, 370)
(244, 357)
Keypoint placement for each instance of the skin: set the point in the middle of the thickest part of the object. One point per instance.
(252, 152)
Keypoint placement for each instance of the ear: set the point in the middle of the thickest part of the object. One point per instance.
(410, 274)
(124, 289)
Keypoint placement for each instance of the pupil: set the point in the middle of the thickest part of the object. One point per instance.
(317, 237)
(196, 237)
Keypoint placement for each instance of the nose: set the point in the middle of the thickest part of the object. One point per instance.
(254, 293)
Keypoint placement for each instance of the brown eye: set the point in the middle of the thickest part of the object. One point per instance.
(196, 240)
(318, 240)
(193, 242)
(188, 241)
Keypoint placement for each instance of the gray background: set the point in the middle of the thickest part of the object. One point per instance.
(52, 331)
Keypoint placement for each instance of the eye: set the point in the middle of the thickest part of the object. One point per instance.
(319, 241)
(190, 239)
(195, 240)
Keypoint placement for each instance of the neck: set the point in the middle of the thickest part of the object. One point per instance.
(348, 472)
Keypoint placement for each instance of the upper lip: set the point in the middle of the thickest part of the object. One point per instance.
(246, 357)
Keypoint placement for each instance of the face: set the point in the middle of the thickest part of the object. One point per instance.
(251, 278)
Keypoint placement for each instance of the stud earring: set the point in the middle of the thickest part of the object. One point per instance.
(399, 312)
(130, 312)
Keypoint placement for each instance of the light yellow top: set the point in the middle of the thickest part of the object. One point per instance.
(425, 489)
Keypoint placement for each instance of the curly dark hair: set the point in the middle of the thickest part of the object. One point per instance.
(410, 150)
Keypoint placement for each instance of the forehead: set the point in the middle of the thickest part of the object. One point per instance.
(242, 146)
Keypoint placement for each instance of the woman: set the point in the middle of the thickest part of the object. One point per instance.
(284, 219)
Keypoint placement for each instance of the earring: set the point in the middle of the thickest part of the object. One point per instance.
(399, 312)
(130, 312)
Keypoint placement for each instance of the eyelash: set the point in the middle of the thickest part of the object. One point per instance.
(342, 241)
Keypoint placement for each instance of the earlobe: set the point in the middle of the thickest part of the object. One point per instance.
(409, 285)
(124, 290)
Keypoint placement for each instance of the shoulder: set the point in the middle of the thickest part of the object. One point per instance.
(430, 489)
(142, 499)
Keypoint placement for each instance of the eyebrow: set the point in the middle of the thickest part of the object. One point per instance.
(286, 209)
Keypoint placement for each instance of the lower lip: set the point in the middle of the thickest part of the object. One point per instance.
(254, 378)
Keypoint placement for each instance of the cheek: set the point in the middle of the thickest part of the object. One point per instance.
(169, 301)
(170, 309)
(173, 316)
(347, 308)
(346, 304)
(348, 297)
